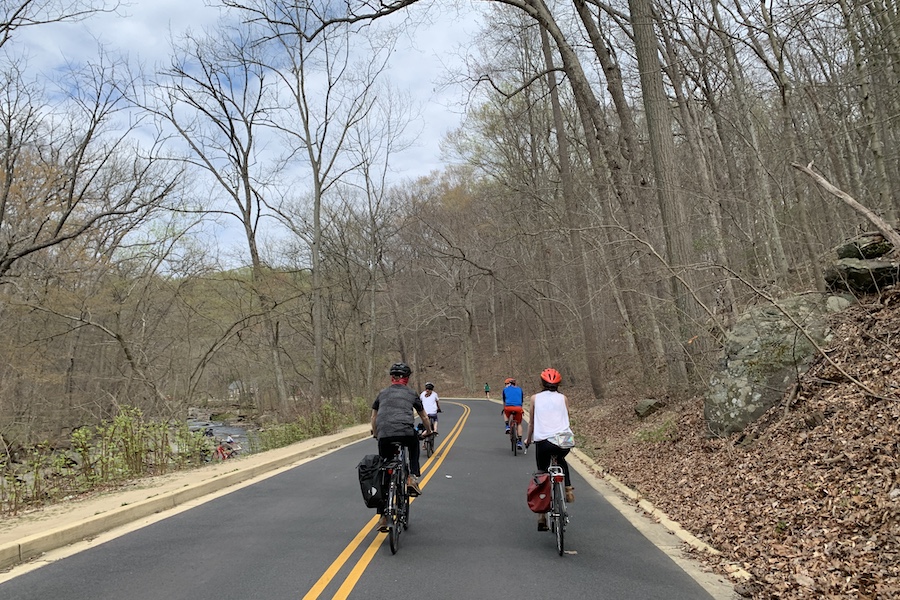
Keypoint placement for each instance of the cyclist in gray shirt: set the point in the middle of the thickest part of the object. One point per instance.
(392, 421)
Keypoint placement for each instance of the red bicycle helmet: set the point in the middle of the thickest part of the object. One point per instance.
(551, 376)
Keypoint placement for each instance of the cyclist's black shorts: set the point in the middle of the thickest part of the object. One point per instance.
(411, 441)
(544, 450)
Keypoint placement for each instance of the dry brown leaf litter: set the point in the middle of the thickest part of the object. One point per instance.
(807, 500)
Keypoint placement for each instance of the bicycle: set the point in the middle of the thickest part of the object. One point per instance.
(397, 509)
(224, 451)
(515, 439)
(428, 442)
(558, 517)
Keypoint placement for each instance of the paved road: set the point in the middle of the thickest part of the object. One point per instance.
(306, 534)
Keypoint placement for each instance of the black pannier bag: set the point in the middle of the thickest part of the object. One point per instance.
(372, 480)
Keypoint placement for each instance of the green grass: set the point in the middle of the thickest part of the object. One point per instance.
(667, 431)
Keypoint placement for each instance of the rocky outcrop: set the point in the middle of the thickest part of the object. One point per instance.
(769, 346)
(863, 266)
(762, 355)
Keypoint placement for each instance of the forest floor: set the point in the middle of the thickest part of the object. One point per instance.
(807, 499)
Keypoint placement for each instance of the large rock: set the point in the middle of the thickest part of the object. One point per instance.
(864, 276)
(762, 355)
(866, 246)
(647, 407)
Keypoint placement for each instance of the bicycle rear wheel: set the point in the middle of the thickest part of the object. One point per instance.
(404, 497)
(404, 510)
(559, 516)
(429, 446)
(394, 524)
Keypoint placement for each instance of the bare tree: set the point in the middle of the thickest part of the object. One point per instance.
(381, 134)
(329, 86)
(217, 97)
(19, 14)
(69, 169)
(573, 221)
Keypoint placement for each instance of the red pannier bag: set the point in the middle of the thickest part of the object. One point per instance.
(538, 494)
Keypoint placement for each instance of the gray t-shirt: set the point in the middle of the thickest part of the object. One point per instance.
(395, 405)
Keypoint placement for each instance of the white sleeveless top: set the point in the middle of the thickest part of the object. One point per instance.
(429, 402)
(550, 415)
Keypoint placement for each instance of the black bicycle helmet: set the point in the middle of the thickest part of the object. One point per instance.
(429, 386)
(400, 370)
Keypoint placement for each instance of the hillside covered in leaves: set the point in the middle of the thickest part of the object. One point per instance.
(807, 500)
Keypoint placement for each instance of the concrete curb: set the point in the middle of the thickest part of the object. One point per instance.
(32, 546)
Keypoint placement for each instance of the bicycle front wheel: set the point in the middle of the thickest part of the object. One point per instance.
(559, 516)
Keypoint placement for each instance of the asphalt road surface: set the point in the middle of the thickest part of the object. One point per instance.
(305, 533)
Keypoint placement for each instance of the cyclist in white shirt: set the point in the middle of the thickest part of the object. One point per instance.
(549, 415)
(432, 404)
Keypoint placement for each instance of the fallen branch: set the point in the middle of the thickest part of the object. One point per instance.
(886, 230)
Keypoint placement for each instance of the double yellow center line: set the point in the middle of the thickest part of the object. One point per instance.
(431, 466)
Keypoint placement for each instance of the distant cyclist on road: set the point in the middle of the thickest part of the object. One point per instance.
(549, 415)
(432, 404)
(512, 407)
(392, 421)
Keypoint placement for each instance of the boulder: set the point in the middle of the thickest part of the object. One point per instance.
(647, 407)
(866, 246)
(864, 276)
(761, 357)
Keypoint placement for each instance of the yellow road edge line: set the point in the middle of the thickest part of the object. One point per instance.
(316, 590)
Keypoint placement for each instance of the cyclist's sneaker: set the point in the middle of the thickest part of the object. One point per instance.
(570, 493)
(412, 488)
(519, 445)
(542, 523)
(506, 427)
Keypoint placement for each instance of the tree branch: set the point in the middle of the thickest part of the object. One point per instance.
(889, 233)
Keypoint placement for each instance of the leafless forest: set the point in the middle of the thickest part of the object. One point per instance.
(621, 185)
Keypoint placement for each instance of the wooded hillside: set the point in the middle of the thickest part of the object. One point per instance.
(807, 500)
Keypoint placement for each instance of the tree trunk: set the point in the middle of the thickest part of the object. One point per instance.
(574, 224)
(662, 149)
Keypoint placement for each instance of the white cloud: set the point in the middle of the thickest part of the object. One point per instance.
(144, 29)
